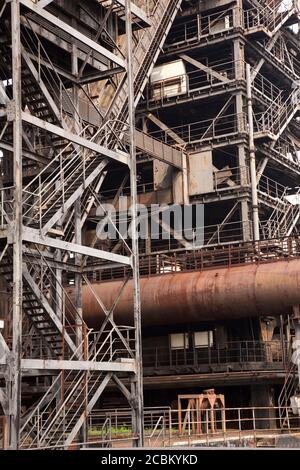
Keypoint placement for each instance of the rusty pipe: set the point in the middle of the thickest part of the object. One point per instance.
(215, 294)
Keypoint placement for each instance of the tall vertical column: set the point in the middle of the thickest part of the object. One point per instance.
(239, 64)
(77, 206)
(255, 215)
(15, 365)
(137, 383)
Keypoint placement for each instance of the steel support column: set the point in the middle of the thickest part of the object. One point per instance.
(256, 234)
(137, 381)
(15, 364)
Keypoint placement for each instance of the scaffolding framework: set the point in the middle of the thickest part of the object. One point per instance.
(54, 162)
(82, 124)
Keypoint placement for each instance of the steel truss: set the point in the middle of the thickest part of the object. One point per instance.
(53, 163)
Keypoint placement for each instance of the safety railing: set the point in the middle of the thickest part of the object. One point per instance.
(53, 187)
(33, 426)
(200, 27)
(166, 427)
(267, 91)
(110, 345)
(51, 420)
(51, 289)
(207, 130)
(242, 352)
(271, 15)
(189, 83)
(75, 390)
(290, 386)
(272, 188)
(285, 215)
(238, 176)
(169, 261)
(285, 151)
(275, 120)
(49, 76)
(283, 57)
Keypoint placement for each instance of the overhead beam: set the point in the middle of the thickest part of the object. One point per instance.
(125, 365)
(33, 236)
(113, 154)
(26, 153)
(51, 36)
(74, 33)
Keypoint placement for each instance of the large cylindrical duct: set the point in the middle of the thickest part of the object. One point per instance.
(214, 294)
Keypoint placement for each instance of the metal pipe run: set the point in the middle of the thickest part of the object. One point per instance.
(215, 294)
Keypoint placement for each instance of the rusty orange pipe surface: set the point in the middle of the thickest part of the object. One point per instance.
(214, 294)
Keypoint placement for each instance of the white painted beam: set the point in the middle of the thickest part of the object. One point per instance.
(44, 3)
(33, 236)
(77, 35)
(118, 155)
(125, 365)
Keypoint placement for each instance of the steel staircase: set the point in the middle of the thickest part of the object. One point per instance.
(283, 219)
(280, 57)
(52, 193)
(59, 415)
(40, 304)
(119, 10)
(272, 15)
(145, 55)
(56, 425)
(267, 93)
(275, 121)
(56, 193)
(289, 389)
(33, 92)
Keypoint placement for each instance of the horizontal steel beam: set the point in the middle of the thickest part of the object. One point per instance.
(44, 3)
(117, 155)
(125, 365)
(74, 33)
(26, 153)
(33, 236)
(53, 37)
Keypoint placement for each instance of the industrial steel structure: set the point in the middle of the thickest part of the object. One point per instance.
(109, 108)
